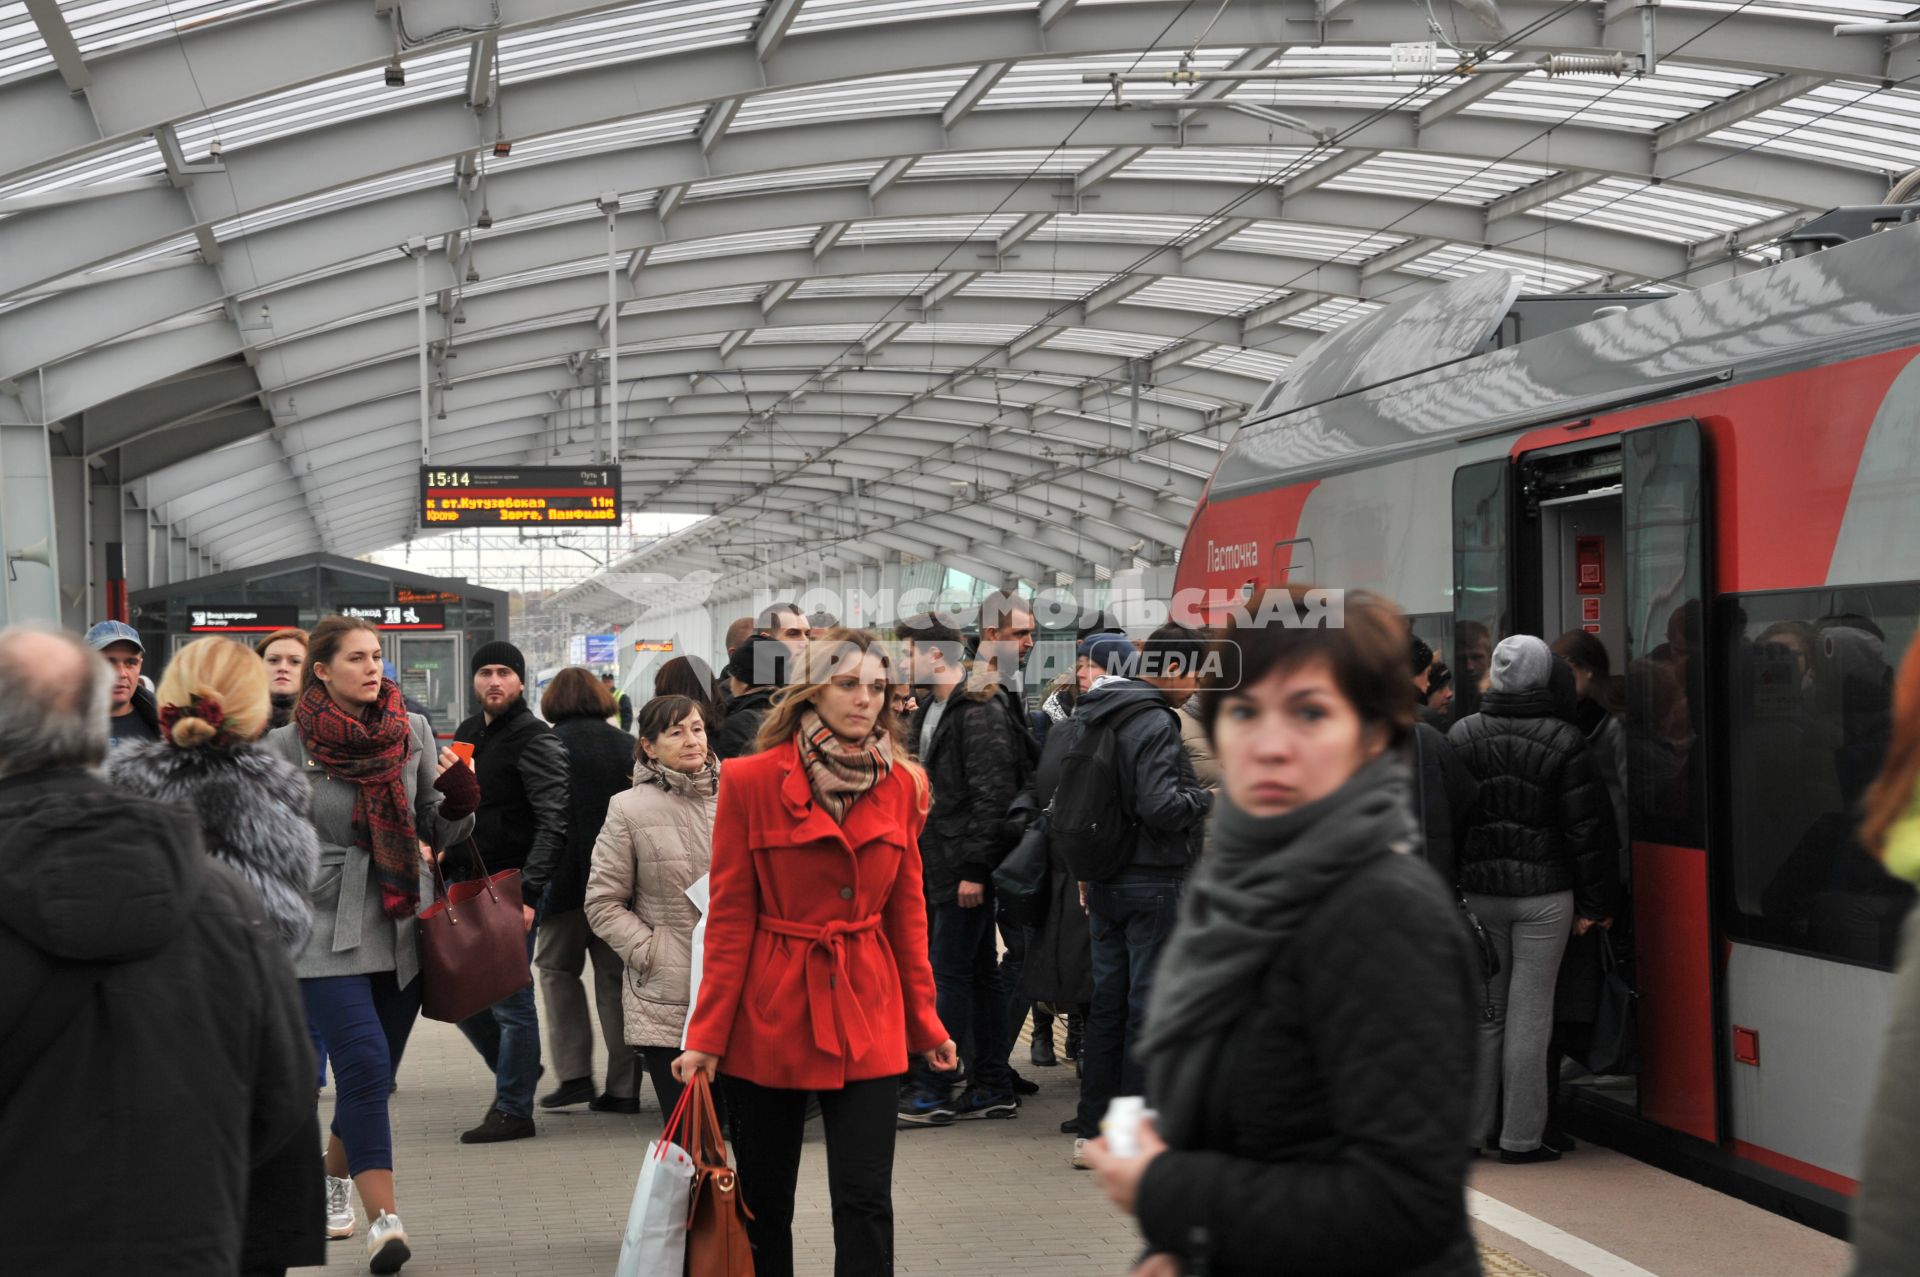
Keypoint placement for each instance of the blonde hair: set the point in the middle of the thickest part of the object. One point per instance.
(807, 677)
(224, 675)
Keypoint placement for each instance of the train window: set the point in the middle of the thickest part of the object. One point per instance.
(1809, 679)
(1665, 524)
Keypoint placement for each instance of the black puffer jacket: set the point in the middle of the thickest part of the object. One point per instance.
(600, 765)
(1336, 1134)
(187, 1063)
(975, 766)
(1537, 828)
(742, 723)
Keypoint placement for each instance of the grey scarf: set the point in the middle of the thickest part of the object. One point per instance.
(1259, 882)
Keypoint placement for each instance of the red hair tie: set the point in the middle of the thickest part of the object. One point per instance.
(208, 712)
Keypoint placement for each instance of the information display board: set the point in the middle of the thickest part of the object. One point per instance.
(491, 496)
(400, 616)
(241, 618)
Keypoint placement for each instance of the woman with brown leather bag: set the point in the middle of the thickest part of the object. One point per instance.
(815, 977)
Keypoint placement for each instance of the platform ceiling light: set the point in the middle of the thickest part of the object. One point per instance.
(396, 74)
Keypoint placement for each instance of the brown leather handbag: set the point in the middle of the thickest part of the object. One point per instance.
(473, 943)
(717, 1226)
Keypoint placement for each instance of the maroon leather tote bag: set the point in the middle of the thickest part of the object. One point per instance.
(473, 943)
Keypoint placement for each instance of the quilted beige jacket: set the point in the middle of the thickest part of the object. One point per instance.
(656, 842)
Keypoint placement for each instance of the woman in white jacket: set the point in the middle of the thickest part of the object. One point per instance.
(656, 842)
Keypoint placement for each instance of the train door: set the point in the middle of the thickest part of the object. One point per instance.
(1608, 538)
(433, 673)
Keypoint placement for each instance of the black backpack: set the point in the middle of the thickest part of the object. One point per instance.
(1087, 821)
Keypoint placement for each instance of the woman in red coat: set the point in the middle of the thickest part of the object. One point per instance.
(815, 977)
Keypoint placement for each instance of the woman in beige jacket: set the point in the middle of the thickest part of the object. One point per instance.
(656, 842)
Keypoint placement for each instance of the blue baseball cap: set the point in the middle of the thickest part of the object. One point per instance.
(1112, 653)
(107, 633)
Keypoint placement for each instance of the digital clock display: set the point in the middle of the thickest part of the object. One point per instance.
(492, 496)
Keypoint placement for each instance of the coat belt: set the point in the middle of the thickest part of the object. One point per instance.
(827, 983)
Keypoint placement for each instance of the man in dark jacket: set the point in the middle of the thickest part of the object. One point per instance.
(965, 739)
(1131, 913)
(755, 671)
(139, 970)
(1444, 790)
(521, 824)
(1535, 860)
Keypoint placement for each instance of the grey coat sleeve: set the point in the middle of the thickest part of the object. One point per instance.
(544, 773)
(434, 829)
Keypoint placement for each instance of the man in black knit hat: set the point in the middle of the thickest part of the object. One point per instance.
(521, 824)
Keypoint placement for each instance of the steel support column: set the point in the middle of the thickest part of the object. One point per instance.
(29, 591)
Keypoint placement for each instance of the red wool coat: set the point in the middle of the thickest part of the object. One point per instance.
(815, 971)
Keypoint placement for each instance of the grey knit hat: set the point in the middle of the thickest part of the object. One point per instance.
(1520, 664)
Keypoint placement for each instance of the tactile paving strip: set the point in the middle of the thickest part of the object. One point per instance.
(1497, 1263)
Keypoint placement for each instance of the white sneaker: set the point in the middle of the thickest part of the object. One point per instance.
(339, 1208)
(387, 1244)
(1080, 1162)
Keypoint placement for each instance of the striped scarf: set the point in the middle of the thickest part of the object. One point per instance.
(838, 772)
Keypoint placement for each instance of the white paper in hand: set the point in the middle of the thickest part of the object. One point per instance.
(698, 894)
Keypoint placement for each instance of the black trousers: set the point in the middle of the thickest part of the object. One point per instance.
(768, 1125)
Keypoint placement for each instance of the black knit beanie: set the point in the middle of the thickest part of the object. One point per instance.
(499, 652)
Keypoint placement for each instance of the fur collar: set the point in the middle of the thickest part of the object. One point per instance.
(253, 814)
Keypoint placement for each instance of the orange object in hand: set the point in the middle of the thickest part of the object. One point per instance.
(464, 749)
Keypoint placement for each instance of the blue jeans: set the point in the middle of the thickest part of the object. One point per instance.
(507, 1035)
(363, 1021)
(1130, 918)
(969, 994)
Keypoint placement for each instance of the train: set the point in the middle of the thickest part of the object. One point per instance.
(1723, 485)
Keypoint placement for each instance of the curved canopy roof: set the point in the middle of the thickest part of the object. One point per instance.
(889, 273)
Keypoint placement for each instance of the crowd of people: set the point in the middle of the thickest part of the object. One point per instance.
(1336, 922)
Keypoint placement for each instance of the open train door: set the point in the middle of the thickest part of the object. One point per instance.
(1610, 535)
(1665, 495)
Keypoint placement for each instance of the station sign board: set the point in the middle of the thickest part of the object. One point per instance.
(399, 616)
(401, 594)
(593, 649)
(241, 618)
(653, 645)
(497, 496)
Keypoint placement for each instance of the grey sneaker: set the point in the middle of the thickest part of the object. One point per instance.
(339, 1208)
(1080, 1162)
(387, 1247)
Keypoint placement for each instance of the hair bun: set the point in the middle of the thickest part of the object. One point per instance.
(191, 733)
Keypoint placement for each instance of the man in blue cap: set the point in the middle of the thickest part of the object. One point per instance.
(135, 716)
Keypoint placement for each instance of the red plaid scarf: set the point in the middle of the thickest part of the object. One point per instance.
(372, 752)
(839, 772)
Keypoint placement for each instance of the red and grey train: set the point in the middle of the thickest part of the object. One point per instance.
(1724, 486)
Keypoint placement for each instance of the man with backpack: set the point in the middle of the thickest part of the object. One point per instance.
(1128, 817)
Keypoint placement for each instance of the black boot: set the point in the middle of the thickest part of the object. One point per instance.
(1042, 1053)
(1076, 1031)
(573, 1091)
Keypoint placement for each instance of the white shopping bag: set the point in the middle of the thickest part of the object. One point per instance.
(698, 894)
(656, 1237)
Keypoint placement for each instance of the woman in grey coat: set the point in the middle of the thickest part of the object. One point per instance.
(381, 800)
